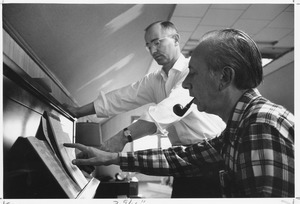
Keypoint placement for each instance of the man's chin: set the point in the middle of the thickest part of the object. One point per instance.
(160, 62)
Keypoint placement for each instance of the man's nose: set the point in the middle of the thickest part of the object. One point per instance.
(185, 83)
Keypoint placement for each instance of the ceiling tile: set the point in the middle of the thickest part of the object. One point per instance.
(251, 27)
(184, 37)
(190, 10)
(201, 30)
(219, 17)
(264, 11)
(230, 6)
(287, 41)
(185, 24)
(290, 8)
(272, 34)
(284, 20)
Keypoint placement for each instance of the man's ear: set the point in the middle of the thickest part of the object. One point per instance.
(227, 77)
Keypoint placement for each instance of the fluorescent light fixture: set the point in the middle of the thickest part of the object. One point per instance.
(125, 18)
(266, 61)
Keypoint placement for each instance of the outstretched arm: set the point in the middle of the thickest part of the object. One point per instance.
(138, 129)
(78, 112)
(175, 161)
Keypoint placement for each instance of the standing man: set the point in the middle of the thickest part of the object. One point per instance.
(164, 89)
(257, 146)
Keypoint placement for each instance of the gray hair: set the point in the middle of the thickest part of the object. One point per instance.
(235, 49)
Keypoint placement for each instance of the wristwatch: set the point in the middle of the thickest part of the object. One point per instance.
(127, 134)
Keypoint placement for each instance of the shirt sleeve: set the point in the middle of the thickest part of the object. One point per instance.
(265, 163)
(175, 161)
(162, 113)
(124, 99)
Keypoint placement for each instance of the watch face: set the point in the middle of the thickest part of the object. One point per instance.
(127, 133)
(129, 138)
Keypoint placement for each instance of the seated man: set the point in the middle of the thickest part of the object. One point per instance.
(256, 150)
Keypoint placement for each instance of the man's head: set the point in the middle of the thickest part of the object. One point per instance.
(224, 64)
(162, 41)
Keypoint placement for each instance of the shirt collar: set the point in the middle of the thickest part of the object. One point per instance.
(179, 65)
(243, 103)
(239, 112)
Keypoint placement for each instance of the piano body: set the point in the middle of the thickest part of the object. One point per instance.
(28, 91)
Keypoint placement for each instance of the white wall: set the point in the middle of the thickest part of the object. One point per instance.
(278, 87)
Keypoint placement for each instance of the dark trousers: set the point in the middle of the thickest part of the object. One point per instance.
(196, 187)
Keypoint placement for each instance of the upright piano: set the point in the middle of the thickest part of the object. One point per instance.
(28, 91)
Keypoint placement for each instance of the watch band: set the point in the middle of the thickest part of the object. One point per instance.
(127, 134)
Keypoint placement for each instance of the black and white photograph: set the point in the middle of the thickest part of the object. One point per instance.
(136, 103)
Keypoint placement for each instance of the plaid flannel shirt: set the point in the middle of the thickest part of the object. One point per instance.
(256, 148)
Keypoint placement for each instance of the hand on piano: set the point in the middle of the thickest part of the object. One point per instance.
(93, 156)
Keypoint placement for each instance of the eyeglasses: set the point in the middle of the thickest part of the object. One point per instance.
(156, 43)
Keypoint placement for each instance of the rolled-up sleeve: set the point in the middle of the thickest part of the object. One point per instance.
(124, 99)
(162, 113)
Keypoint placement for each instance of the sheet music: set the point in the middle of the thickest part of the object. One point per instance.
(67, 154)
(54, 165)
(45, 131)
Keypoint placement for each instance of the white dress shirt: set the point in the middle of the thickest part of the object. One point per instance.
(165, 92)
